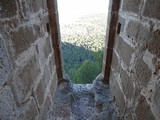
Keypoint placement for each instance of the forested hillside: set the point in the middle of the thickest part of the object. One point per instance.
(82, 47)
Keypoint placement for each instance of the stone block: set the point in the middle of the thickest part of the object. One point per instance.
(8, 8)
(156, 101)
(131, 5)
(152, 9)
(143, 72)
(52, 66)
(44, 49)
(62, 111)
(29, 7)
(120, 101)
(41, 88)
(114, 61)
(38, 4)
(24, 37)
(40, 91)
(46, 109)
(7, 104)
(24, 78)
(127, 85)
(124, 50)
(29, 111)
(101, 93)
(128, 117)
(47, 75)
(143, 110)
(48, 47)
(137, 32)
(54, 84)
(154, 44)
(111, 79)
(4, 63)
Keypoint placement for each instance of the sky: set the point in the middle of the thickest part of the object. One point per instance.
(70, 10)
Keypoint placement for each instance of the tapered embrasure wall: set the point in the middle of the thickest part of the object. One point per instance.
(135, 67)
(27, 69)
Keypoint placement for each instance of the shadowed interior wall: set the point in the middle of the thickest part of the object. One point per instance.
(27, 69)
(135, 68)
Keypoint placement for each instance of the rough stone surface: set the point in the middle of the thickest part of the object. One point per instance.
(143, 111)
(29, 111)
(118, 96)
(131, 5)
(152, 9)
(128, 117)
(47, 48)
(143, 72)
(8, 8)
(124, 50)
(102, 93)
(24, 79)
(45, 111)
(156, 100)
(114, 61)
(53, 84)
(154, 45)
(23, 38)
(38, 4)
(137, 32)
(39, 92)
(84, 102)
(27, 66)
(127, 85)
(135, 75)
(4, 63)
(7, 105)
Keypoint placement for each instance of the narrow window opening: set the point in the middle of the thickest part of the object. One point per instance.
(83, 29)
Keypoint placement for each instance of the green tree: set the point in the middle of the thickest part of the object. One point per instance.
(87, 72)
(99, 57)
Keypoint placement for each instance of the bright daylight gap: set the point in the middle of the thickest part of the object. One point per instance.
(83, 29)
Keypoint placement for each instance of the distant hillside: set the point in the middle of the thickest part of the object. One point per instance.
(88, 31)
(82, 46)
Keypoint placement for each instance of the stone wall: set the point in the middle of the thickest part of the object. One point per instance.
(27, 72)
(135, 69)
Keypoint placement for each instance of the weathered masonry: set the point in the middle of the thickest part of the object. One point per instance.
(28, 76)
(30, 61)
(135, 68)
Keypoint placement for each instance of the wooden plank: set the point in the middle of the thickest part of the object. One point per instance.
(111, 39)
(55, 36)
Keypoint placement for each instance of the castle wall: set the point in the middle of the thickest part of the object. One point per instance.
(27, 68)
(135, 68)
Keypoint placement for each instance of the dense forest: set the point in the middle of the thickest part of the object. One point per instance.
(82, 47)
